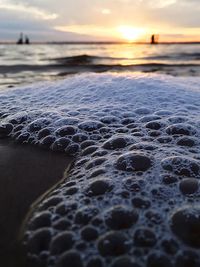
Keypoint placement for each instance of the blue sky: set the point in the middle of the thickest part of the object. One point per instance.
(77, 20)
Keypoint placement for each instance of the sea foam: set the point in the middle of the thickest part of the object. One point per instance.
(132, 196)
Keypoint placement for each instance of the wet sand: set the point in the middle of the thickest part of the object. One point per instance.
(26, 172)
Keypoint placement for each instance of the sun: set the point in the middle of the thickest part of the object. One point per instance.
(130, 33)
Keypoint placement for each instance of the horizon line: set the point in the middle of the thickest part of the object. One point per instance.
(103, 42)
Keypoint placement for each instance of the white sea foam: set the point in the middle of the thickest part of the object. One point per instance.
(136, 140)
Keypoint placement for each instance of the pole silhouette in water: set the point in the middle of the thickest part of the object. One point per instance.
(20, 40)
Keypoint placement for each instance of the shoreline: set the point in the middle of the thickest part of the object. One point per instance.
(27, 172)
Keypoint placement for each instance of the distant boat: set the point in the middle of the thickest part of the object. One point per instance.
(20, 40)
(154, 39)
(27, 41)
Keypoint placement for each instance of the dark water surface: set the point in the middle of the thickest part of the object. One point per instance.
(26, 173)
(31, 63)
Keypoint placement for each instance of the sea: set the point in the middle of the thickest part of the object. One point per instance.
(25, 64)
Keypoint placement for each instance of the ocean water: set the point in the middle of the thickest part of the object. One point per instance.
(20, 65)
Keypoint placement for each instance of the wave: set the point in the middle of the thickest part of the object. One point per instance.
(84, 59)
(88, 63)
(89, 59)
(175, 56)
(80, 63)
(63, 69)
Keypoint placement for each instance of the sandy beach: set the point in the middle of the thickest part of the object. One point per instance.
(26, 172)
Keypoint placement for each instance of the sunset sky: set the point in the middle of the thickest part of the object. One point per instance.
(100, 20)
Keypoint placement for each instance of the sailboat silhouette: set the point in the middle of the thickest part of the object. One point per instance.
(27, 41)
(20, 40)
(154, 39)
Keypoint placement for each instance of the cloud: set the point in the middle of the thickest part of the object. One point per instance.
(149, 3)
(183, 14)
(92, 30)
(27, 10)
(161, 3)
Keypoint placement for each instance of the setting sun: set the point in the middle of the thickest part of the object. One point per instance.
(130, 33)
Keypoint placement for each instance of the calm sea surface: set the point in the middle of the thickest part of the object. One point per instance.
(30, 63)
